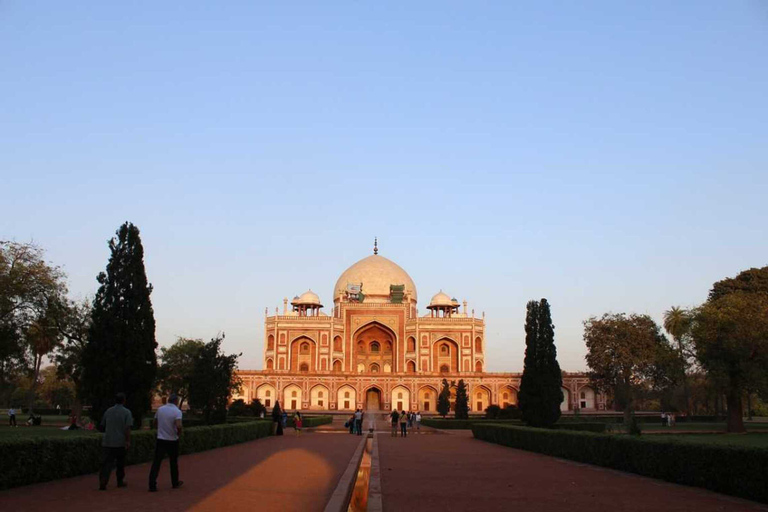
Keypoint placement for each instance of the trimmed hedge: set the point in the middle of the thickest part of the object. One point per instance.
(450, 424)
(582, 427)
(311, 421)
(28, 461)
(733, 470)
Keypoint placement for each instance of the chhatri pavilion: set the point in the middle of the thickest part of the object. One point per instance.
(374, 351)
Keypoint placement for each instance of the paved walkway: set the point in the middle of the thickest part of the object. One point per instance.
(458, 472)
(272, 474)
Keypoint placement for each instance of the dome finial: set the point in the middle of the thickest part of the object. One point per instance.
(375, 245)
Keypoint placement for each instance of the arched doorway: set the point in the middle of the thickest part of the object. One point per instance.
(373, 399)
(428, 399)
(345, 398)
(401, 398)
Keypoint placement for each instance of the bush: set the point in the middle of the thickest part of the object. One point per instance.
(28, 461)
(454, 424)
(492, 411)
(581, 427)
(47, 411)
(311, 421)
(738, 471)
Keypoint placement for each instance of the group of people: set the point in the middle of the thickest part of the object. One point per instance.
(32, 420)
(116, 423)
(668, 419)
(355, 422)
(407, 420)
(280, 419)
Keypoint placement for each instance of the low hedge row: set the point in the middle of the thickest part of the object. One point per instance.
(453, 424)
(28, 461)
(311, 421)
(738, 471)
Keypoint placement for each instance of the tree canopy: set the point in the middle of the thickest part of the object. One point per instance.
(627, 355)
(444, 399)
(541, 384)
(754, 280)
(120, 351)
(213, 381)
(731, 338)
(462, 401)
(30, 290)
(177, 365)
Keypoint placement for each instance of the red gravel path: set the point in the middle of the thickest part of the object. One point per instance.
(457, 472)
(276, 473)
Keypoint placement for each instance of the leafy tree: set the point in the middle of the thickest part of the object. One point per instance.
(213, 381)
(176, 367)
(444, 399)
(120, 352)
(627, 355)
(257, 407)
(462, 401)
(74, 322)
(731, 338)
(54, 390)
(754, 280)
(677, 322)
(541, 384)
(29, 288)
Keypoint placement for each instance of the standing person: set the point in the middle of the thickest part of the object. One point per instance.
(351, 423)
(277, 418)
(359, 422)
(410, 420)
(393, 417)
(116, 425)
(12, 417)
(297, 423)
(418, 421)
(58, 409)
(284, 419)
(403, 424)
(168, 421)
(663, 419)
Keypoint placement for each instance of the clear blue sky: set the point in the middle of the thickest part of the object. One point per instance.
(610, 156)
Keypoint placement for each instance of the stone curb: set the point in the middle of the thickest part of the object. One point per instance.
(339, 501)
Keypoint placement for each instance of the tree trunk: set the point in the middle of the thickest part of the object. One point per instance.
(749, 405)
(735, 420)
(33, 391)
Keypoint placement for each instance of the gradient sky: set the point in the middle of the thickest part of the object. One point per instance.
(609, 156)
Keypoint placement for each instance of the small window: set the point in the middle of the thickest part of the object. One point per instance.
(506, 396)
(400, 395)
(583, 395)
(444, 369)
(267, 393)
(320, 394)
(375, 347)
(294, 394)
(305, 348)
(444, 350)
(346, 394)
(304, 367)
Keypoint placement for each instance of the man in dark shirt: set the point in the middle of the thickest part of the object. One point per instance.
(116, 424)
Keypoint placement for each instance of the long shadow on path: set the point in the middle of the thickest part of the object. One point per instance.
(275, 473)
(457, 472)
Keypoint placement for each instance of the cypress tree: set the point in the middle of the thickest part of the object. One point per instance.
(541, 385)
(444, 399)
(120, 354)
(462, 401)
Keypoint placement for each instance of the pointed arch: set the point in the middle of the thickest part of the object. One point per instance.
(427, 398)
(337, 366)
(410, 366)
(292, 398)
(480, 398)
(270, 364)
(445, 352)
(400, 398)
(319, 397)
(267, 395)
(346, 398)
(507, 396)
(302, 349)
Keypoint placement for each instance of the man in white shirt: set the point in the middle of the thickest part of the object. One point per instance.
(168, 422)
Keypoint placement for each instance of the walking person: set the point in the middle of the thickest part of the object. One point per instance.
(116, 425)
(410, 420)
(417, 417)
(12, 417)
(277, 418)
(351, 423)
(297, 423)
(393, 417)
(168, 422)
(284, 419)
(359, 422)
(403, 424)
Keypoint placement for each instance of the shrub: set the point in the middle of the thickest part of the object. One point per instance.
(42, 459)
(454, 424)
(492, 412)
(738, 471)
(311, 421)
(581, 427)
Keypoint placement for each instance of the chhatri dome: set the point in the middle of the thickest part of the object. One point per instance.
(442, 299)
(376, 274)
(308, 298)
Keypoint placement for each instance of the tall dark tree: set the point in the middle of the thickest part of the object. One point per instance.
(120, 352)
(541, 385)
(213, 381)
(462, 401)
(444, 399)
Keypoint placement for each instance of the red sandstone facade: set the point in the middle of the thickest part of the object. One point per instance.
(375, 352)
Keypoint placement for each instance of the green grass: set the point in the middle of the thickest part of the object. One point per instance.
(754, 440)
(24, 432)
(697, 427)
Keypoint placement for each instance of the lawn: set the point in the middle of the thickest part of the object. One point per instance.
(24, 432)
(754, 440)
(697, 427)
